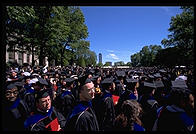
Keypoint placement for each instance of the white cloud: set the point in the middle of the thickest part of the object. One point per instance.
(113, 56)
(111, 51)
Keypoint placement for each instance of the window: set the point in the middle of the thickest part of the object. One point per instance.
(20, 58)
(28, 58)
(11, 56)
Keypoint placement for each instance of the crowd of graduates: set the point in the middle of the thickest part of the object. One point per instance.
(74, 98)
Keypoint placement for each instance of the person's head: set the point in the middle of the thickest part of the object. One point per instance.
(98, 80)
(27, 80)
(132, 109)
(43, 100)
(11, 92)
(69, 83)
(182, 97)
(108, 84)
(87, 90)
(131, 112)
(13, 73)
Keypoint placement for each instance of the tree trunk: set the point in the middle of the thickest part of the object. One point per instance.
(32, 49)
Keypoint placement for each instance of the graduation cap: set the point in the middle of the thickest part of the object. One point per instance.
(19, 84)
(41, 94)
(151, 76)
(131, 80)
(42, 81)
(120, 73)
(179, 84)
(107, 81)
(162, 71)
(91, 71)
(69, 80)
(84, 80)
(94, 78)
(157, 75)
(11, 86)
(149, 85)
(159, 84)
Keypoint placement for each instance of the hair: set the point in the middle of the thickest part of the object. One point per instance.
(131, 112)
(131, 85)
(178, 95)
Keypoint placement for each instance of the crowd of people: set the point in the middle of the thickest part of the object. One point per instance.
(74, 98)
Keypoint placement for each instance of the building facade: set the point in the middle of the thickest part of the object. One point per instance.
(21, 58)
(100, 58)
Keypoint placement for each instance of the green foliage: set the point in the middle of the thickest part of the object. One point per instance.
(57, 32)
(65, 62)
(181, 35)
(146, 56)
(120, 63)
(129, 64)
(82, 62)
(107, 64)
(100, 64)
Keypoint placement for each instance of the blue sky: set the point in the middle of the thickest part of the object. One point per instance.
(117, 32)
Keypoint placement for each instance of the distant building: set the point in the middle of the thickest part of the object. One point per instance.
(20, 57)
(100, 58)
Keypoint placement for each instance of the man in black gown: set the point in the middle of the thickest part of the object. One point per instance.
(83, 117)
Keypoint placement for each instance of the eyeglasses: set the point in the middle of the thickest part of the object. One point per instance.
(8, 93)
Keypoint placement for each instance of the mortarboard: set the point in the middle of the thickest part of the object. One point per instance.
(120, 73)
(94, 78)
(131, 80)
(151, 76)
(84, 80)
(179, 84)
(42, 81)
(11, 86)
(157, 75)
(149, 85)
(41, 94)
(69, 80)
(159, 84)
(162, 71)
(107, 81)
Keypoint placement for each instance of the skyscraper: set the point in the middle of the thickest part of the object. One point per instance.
(100, 58)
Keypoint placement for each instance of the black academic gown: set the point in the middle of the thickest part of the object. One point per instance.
(14, 115)
(149, 106)
(82, 118)
(67, 102)
(173, 118)
(105, 112)
(45, 121)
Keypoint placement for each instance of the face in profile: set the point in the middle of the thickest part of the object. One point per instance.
(88, 91)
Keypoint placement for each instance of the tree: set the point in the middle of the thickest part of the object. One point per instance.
(129, 64)
(146, 56)
(18, 23)
(82, 62)
(100, 64)
(135, 59)
(67, 30)
(181, 29)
